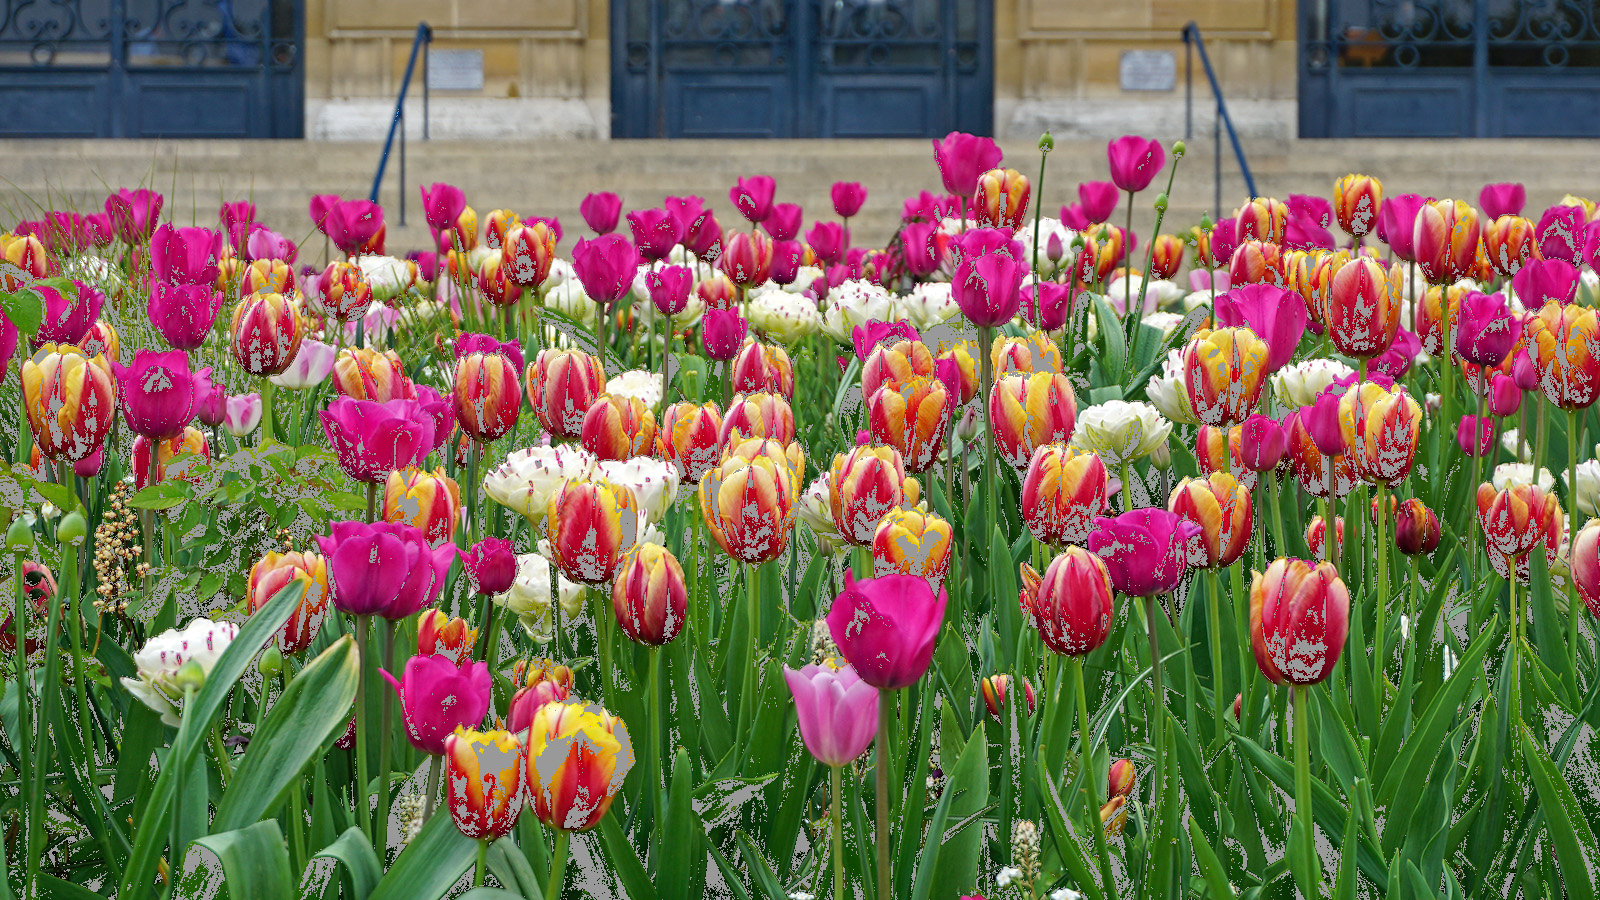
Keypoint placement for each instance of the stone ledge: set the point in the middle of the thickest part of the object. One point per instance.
(1273, 120)
(457, 118)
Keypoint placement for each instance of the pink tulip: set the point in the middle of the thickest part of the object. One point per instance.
(826, 240)
(67, 318)
(437, 696)
(987, 287)
(1097, 200)
(722, 331)
(1299, 619)
(606, 266)
(669, 289)
(1591, 245)
(1560, 233)
(185, 255)
(1144, 550)
(156, 393)
(1274, 314)
(442, 205)
(1396, 361)
(1200, 280)
(886, 627)
(134, 213)
(923, 250)
(320, 207)
(1485, 329)
(600, 211)
(1483, 427)
(1322, 423)
(961, 158)
(1307, 224)
(655, 232)
(787, 257)
(183, 313)
(1053, 301)
(1505, 398)
(1498, 200)
(690, 212)
(848, 196)
(1541, 280)
(1135, 161)
(1397, 221)
(237, 216)
(783, 223)
(264, 243)
(99, 229)
(373, 439)
(491, 564)
(838, 712)
(1073, 216)
(210, 400)
(385, 569)
(1262, 442)
(353, 224)
(868, 337)
(752, 196)
(243, 414)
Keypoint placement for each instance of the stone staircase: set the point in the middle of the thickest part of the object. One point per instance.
(551, 177)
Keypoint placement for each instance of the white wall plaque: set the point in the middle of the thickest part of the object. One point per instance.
(1149, 70)
(456, 70)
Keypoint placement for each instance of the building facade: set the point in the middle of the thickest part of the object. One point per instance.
(523, 69)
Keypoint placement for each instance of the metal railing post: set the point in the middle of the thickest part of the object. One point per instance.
(424, 35)
(1193, 38)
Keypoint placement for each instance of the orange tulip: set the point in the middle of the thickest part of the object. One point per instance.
(912, 542)
(485, 784)
(1257, 262)
(690, 438)
(440, 635)
(562, 385)
(1562, 343)
(750, 499)
(1509, 244)
(1381, 428)
(1224, 373)
(912, 418)
(364, 373)
(191, 442)
(592, 524)
(1001, 199)
(429, 500)
(1437, 303)
(101, 340)
(275, 571)
(495, 226)
(1362, 310)
(1221, 507)
(900, 361)
(763, 368)
(617, 427)
(1357, 200)
(1446, 240)
(1262, 219)
(495, 282)
(70, 399)
(1063, 493)
(577, 759)
(1029, 412)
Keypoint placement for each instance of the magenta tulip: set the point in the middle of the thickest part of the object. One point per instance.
(655, 233)
(752, 196)
(1135, 161)
(1505, 398)
(1541, 280)
(669, 289)
(1144, 550)
(156, 393)
(923, 251)
(1524, 372)
(437, 697)
(100, 229)
(987, 288)
(826, 240)
(961, 158)
(1262, 442)
(1483, 428)
(264, 243)
(1097, 200)
(236, 214)
(1275, 315)
(1224, 240)
(491, 564)
(848, 196)
(1307, 225)
(722, 331)
(1397, 221)
(600, 211)
(1485, 329)
(320, 207)
(976, 242)
(134, 213)
(690, 212)
(183, 313)
(787, 257)
(1591, 245)
(373, 439)
(886, 627)
(442, 205)
(352, 224)
(606, 266)
(68, 317)
(870, 336)
(838, 712)
(185, 255)
(783, 223)
(1498, 200)
(1053, 300)
(1396, 361)
(210, 400)
(1322, 423)
(384, 569)
(1560, 233)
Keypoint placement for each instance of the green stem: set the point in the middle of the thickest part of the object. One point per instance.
(655, 719)
(1127, 487)
(1158, 702)
(558, 866)
(1277, 514)
(986, 358)
(1038, 211)
(74, 596)
(24, 704)
(1381, 656)
(362, 811)
(1214, 626)
(385, 729)
(483, 862)
(1091, 782)
(1574, 605)
(838, 836)
(881, 775)
(269, 422)
(666, 353)
(1302, 773)
(752, 585)
(220, 752)
(372, 501)
(434, 764)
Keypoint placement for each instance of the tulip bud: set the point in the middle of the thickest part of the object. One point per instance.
(1357, 200)
(1505, 398)
(617, 427)
(997, 688)
(1063, 492)
(1121, 779)
(1029, 412)
(1317, 536)
(1046, 142)
(592, 524)
(561, 386)
(912, 542)
(1416, 528)
(72, 529)
(649, 596)
(1178, 149)
(485, 787)
(1221, 508)
(1001, 199)
(271, 662)
(1475, 436)
(1299, 618)
(1161, 202)
(430, 501)
(1072, 604)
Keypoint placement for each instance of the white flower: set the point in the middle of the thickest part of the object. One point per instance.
(1163, 322)
(561, 272)
(638, 384)
(654, 483)
(1588, 491)
(1300, 384)
(1047, 227)
(930, 304)
(816, 513)
(569, 299)
(1405, 628)
(1588, 286)
(1449, 661)
(158, 684)
(801, 895)
(309, 368)
(1516, 446)
(388, 277)
(527, 480)
(1507, 474)
(855, 303)
(783, 316)
(1120, 431)
(1007, 876)
(1066, 894)
(804, 277)
(529, 597)
(1169, 392)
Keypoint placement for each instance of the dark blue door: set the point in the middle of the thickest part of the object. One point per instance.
(1449, 68)
(801, 68)
(151, 68)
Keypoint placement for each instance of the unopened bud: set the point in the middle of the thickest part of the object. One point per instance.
(1161, 456)
(1161, 202)
(1177, 149)
(1205, 222)
(271, 662)
(1046, 143)
(73, 529)
(967, 428)
(190, 676)
(19, 536)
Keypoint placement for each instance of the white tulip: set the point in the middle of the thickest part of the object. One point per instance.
(527, 480)
(1300, 384)
(158, 684)
(637, 384)
(930, 304)
(1508, 474)
(654, 483)
(1169, 391)
(1120, 431)
(780, 315)
(1588, 490)
(529, 597)
(817, 515)
(854, 303)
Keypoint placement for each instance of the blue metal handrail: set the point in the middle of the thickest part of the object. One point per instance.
(424, 37)
(1191, 42)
